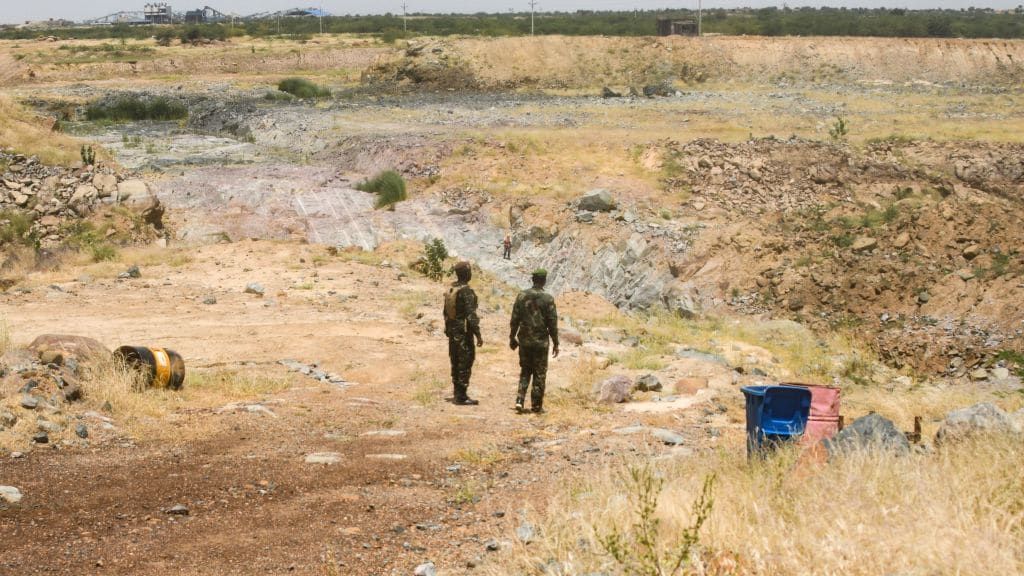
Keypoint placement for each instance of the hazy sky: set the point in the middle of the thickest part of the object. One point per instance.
(16, 11)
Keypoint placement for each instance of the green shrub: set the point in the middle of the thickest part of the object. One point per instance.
(388, 186)
(88, 155)
(302, 88)
(434, 255)
(135, 108)
(15, 226)
(197, 34)
(102, 252)
(839, 129)
(164, 37)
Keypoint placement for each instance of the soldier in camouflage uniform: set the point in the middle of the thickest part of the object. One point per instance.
(461, 325)
(534, 322)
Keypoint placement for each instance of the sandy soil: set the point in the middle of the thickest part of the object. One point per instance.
(255, 506)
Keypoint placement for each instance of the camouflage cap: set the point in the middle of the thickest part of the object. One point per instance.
(540, 273)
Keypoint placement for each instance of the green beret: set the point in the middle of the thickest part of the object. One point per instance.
(540, 273)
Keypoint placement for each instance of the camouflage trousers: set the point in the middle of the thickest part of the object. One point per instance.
(461, 353)
(533, 365)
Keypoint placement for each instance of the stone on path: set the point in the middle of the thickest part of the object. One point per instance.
(384, 433)
(648, 383)
(177, 510)
(426, 569)
(10, 494)
(323, 458)
(614, 390)
(387, 456)
(663, 434)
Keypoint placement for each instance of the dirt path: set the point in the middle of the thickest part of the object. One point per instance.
(436, 487)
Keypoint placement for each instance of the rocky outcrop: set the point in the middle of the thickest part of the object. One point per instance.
(53, 197)
(984, 418)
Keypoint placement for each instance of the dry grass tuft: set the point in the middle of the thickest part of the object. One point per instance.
(5, 336)
(154, 414)
(956, 511)
(28, 134)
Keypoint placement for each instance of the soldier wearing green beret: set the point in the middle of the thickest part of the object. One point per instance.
(461, 325)
(534, 323)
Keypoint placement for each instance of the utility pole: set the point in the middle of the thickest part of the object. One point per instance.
(533, 8)
(700, 18)
(321, 18)
(405, 18)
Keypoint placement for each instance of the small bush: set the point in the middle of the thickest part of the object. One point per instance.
(839, 129)
(388, 186)
(199, 34)
(434, 255)
(88, 155)
(164, 37)
(302, 88)
(103, 252)
(15, 227)
(134, 108)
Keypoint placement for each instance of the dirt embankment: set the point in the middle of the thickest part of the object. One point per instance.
(557, 62)
(553, 62)
(916, 245)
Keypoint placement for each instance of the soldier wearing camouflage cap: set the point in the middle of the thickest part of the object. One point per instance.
(534, 323)
(461, 325)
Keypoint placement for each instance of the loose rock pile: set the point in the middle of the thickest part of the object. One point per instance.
(54, 196)
(40, 383)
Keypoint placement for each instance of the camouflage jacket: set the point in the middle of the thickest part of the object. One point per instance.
(534, 319)
(460, 316)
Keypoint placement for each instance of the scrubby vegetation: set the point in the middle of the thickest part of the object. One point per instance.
(388, 186)
(434, 255)
(771, 515)
(133, 108)
(772, 21)
(302, 88)
(15, 226)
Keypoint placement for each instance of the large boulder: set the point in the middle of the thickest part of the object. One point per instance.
(682, 299)
(871, 432)
(614, 390)
(80, 347)
(648, 383)
(983, 418)
(598, 200)
(133, 191)
(105, 183)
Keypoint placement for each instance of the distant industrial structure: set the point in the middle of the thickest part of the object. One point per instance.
(163, 13)
(158, 13)
(669, 27)
(205, 15)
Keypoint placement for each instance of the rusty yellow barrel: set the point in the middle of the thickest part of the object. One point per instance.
(163, 367)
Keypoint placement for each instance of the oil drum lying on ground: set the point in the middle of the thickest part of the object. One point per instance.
(163, 368)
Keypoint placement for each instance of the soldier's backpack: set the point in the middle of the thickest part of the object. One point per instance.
(450, 300)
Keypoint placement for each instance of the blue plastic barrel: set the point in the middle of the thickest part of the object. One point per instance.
(775, 414)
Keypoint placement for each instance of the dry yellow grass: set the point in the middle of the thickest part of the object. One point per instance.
(957, 511)
(159, 414)
(24, 132)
